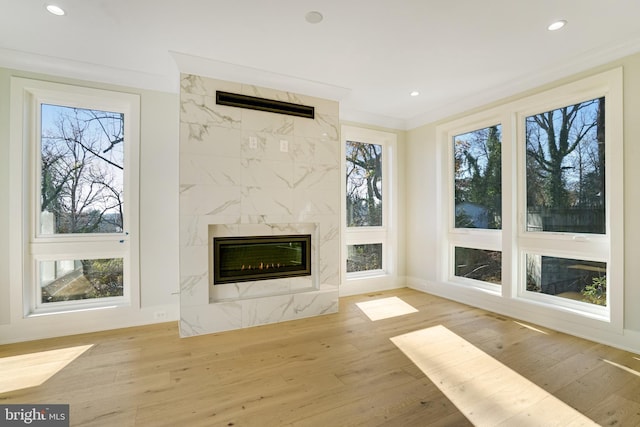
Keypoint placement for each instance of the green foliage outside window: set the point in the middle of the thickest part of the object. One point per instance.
(365, 257)
(566, 169)
(478, 178)
(92, 278)
(596, 291)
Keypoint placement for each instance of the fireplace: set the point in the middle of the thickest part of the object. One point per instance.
(251, 258)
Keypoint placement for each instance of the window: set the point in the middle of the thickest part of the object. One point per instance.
(535, 202)
(565, 169)
(369, 212)
(476, 217)
(565, 197)
(364, 184)
(364, 202)
(478, 264)
(365, 257)
(478, 179)
(81, 169)
(574, 279)
(80, 193)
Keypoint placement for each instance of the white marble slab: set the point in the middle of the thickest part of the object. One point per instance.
(235, 172)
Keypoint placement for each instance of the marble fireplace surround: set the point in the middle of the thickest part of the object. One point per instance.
(246, 304)
(237, 180)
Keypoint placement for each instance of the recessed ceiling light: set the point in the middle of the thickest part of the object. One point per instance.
(414, 93)
(56, 10)
(313, 17)
(557, 25)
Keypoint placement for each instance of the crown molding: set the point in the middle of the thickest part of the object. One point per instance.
(220, 70)
(68, 68)
(180, 62)
(583, 62)
(355, 116)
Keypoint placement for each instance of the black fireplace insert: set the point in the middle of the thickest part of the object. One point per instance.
(243, 259)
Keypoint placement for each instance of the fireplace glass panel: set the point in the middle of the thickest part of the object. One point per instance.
(241, 259)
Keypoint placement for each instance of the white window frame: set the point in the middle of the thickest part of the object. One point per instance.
(26, 97)
(385, 234)
(485, 239)
(606, 247)
(514, 241)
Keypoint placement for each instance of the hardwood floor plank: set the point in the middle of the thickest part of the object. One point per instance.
(589, 390)
(485, 390)
(616, 411)
(341, 369)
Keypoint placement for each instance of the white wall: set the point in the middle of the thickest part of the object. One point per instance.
(159, 276)
(421, 203)
(421, 170)
(159, 201)
(632, 191)
(4, 196)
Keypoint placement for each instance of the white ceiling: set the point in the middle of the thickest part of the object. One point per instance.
(368, 54)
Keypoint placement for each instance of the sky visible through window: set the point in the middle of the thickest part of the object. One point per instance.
(82, 170)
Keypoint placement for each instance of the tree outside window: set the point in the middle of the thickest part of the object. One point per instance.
(565, 173)
(81, 191)
(478, 179)
(82, 171)
(566, 169)
(364, 184)
(364, 202)
(559, 237)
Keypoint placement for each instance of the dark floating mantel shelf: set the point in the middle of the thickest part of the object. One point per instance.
(264, 104)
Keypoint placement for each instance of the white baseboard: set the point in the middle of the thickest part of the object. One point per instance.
(81, 322)
(371, 284)
(544, 316)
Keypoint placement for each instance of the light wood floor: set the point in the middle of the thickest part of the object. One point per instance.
(335, 370)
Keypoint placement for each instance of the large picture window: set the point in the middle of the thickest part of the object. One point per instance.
(565, 169)
(81, 170)
(476, 215)
(535, 193)
(368, 217)
(565, 199)
(478, 178)
(80, 148)
(364, 184)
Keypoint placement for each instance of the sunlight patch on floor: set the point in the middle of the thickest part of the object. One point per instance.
(33, 369)
(385, 308)
(624, 368)
(483, 389)
(531, 327)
